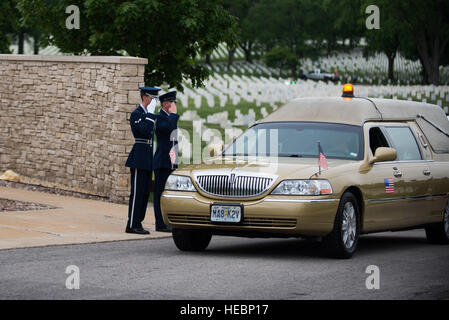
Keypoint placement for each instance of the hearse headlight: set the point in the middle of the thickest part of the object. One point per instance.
(303, 188)
(179, 183)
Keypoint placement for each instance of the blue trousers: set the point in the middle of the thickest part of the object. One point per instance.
(140, 194)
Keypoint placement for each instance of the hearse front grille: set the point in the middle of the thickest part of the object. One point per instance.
(234, 185)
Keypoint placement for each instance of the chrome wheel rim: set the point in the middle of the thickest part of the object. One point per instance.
(349, 225)
(446, 219)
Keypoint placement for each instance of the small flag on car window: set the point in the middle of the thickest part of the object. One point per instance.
(322, 162)
(172, 155)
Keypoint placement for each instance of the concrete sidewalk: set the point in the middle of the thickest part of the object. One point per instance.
(75, 221)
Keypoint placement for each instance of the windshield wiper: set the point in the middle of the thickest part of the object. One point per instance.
(292, 155)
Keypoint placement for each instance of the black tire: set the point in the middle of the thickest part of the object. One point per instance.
(438, 233)
(334, 244)
(191, 240)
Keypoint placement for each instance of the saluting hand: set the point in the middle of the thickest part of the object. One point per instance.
(172, 108)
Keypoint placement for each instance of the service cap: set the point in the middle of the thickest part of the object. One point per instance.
(169, 96)
(149, 91)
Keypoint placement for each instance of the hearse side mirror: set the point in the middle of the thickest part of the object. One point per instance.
(383, 154)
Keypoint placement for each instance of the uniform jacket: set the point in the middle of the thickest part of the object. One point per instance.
(165, 125)
(142, 127)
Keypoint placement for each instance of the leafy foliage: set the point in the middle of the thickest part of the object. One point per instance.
(282, 58)
(172, 34)
(169, 33)
(9, 23)
(387, 38)
(427, 27)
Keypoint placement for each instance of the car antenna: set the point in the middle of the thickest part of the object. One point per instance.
(377, 109)
(319, 163)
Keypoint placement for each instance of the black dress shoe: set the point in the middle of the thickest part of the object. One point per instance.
(137, 230)
(163, 229)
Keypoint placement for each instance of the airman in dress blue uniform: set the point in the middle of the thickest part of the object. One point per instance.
(140, 159)
(165, 159)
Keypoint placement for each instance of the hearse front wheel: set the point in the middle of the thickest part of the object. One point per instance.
(191, 240)
(439, 232)
(343, 240)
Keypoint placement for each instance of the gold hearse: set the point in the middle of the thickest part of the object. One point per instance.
(387, 169)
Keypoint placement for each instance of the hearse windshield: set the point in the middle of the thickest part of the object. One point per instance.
(298, 140)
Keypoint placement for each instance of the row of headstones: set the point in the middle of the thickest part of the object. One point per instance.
(351, 62)
(208, 135)
(272, 90)
(222, 118)
(366, 74)
(226, 88)
(355, 62)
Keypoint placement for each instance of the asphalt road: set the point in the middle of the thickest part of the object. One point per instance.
(231, 268)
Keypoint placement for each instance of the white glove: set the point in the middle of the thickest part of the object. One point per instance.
(152, 106)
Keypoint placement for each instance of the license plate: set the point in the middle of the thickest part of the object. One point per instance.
(224, 213)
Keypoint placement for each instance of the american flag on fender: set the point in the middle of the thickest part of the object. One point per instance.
(322, 162)
(389, 185)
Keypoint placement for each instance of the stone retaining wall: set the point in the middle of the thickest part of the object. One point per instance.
(64, 120)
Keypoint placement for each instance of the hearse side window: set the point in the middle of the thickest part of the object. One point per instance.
(404, 142)
(377, 139)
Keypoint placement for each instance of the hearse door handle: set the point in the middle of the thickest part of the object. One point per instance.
(397, 174)
(426, 172)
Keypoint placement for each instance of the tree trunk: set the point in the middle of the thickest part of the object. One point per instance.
(231, 56)
(246, 47)
(294, 74)
(36, 44)
(434, 74)
(431, 47)
(330, 44)
(391, 56)
(21, 41)
(424, 80)
(430, 65)
(207, 60)
(328, 48)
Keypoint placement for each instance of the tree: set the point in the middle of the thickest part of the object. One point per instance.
(9, 23)
(426, 22)
(234, 9)
(248, 38)
(287, 27)
(247, 33)
(348, 21)
(171, 34)
(387, 38)
(327, 33)
(23, 33)
(282, 58)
